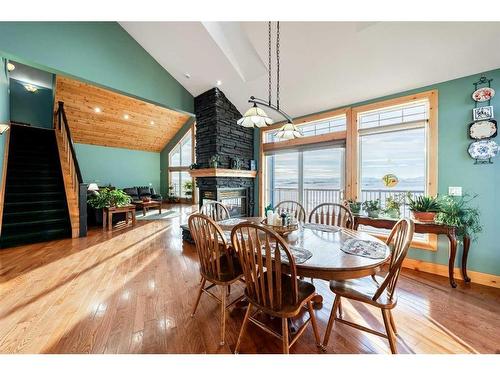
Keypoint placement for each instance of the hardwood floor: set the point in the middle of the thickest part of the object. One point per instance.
(131, 291)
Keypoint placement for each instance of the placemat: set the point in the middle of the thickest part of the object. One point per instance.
(364, 248)
(235, 221)
(321, 227)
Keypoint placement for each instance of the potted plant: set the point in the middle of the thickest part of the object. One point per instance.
(456, 211)
(214, 161)
(393, 206)
(188, 188)
(354, 206)
(107, 198)
(171, 198)
(423, 207)
(372, 208)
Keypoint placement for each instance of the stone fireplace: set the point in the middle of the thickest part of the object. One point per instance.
(218, 134)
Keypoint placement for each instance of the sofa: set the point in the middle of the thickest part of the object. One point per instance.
(137, 193)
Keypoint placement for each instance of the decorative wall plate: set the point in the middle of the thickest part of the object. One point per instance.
(483, 129)
(483, 94)
(483, 150)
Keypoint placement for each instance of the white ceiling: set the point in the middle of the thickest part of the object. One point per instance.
(324, 65)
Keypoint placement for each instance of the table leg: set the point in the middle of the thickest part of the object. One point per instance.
(453, 253)
(104, 218)
(160, 208)
(126, 218)
(144, 211)
(133, 218)
(110, 220)
(464, 258)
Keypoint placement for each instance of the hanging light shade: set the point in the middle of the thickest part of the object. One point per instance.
(288, 131)
(255, 117)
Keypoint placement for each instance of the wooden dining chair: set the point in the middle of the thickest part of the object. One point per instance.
(262, 252)
(332, 214)
(218, 265)
(376, 291)
(215, 210)
(293, 208)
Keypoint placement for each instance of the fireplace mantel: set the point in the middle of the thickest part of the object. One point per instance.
(222, 172)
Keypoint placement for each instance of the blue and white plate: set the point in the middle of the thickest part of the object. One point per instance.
(483, 150)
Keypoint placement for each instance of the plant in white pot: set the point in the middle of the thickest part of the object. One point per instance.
(372, 208)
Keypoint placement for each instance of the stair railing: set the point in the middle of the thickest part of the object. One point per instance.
(72, 170)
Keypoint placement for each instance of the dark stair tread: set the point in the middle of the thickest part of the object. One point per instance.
(35, 207)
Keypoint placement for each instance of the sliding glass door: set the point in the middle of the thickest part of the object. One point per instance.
(309, 175)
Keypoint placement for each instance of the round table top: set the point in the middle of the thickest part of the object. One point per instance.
(328, 261)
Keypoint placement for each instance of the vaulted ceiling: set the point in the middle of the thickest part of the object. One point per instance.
(102, 117)
(323, 64)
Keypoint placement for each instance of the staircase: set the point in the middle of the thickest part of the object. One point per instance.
(35, 207)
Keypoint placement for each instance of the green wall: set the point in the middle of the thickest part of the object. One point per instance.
(4, 107)
(456, 168)
(118, 166)
(104, 54)
(98, 52)
(33, 108)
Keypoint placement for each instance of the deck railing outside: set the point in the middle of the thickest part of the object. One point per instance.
(314, 197)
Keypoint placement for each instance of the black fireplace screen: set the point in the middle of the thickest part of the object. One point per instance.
(236, 200)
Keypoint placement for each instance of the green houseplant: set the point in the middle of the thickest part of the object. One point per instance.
(372, 208)
(354, 206)
(188, 188)
(456, 211)
(108, 198)
(171, 198)
(423, 207)
(393, 206)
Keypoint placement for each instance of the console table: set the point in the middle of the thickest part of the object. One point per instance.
(426, 228)
(108, 212)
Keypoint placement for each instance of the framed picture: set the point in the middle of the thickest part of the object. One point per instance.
(482, 113)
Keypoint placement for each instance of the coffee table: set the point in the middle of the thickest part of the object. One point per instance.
(144, 206)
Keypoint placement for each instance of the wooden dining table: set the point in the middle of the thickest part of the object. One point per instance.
(328, 261)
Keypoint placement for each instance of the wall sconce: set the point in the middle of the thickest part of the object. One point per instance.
(4, 128)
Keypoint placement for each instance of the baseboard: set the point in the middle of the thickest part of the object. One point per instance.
(442, 270)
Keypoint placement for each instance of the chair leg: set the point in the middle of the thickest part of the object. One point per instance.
(390, 333)
(222, 315)
(243, 326)
(340, 309)
(314, 324)
(200, 291)
(284, 328)
(333, 315)
(393, 324)
(228, 290)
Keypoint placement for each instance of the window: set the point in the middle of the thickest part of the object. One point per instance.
(180, 158)
(393, 141)
(324, 126)
(399, 140)
(309, 170)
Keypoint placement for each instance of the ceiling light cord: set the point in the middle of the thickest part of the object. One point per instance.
(278, 65)
(269, 61)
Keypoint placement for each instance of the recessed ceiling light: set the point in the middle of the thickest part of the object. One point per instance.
(218, 83)
(152, 122)
(126, 117)
(97, 110)
(29, 87)
(187, 75)
(10, 67)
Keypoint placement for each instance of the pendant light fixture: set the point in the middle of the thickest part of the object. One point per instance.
(257, 117)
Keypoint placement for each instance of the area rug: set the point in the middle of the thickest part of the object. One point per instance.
(154, 215)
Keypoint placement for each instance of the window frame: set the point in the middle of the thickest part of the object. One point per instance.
(183, 168)
(352, 157)
(431, 143)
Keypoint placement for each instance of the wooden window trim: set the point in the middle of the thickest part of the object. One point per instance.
(352, 152)
(352, 147)
(192, 130)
